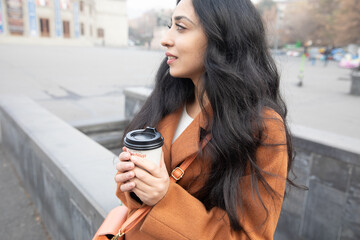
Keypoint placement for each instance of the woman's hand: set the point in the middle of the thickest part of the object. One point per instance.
(151, 181)
(147, 180)
(125, 171)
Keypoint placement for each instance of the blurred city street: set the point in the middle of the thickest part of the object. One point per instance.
(80, 83)
(92, 64)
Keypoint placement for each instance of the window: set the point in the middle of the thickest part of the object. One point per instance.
(44, 27)
(82, 29)
(66, 29)
(81, 6)
(100, 33)
(42, 2)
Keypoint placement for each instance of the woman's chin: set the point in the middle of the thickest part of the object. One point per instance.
(174, 74)
(179, 74)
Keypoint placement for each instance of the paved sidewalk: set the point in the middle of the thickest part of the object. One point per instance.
(81, 83)
(18, 216)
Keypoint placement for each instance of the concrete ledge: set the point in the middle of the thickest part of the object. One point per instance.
(69, 176)
(141, 93)
(135, 98)
(100, 125)
(328, 144)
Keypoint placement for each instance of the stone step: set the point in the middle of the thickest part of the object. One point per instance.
(105, 131)
(100, 125)
(108, 139)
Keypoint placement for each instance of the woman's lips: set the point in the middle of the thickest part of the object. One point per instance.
(171, 59)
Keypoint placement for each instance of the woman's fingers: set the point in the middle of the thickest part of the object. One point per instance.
(149, 195)
(124, 166)
(141, 195)
(147, 180)
(151, 188)
(124, 177)
(143, 175)
(124, 156)
(141, 185)
(127, 187)
(146, 164)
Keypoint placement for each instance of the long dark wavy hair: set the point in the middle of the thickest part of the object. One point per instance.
(240, 80)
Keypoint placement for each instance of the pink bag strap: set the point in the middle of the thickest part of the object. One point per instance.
(175, 176)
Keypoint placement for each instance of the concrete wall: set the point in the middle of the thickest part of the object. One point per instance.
(329, 165)
(69, 176)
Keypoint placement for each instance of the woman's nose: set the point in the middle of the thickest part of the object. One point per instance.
(166, 41)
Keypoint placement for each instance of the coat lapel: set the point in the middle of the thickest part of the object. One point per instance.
(188, 143)
(167, 127)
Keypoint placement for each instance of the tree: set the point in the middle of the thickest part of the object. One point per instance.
(325, 13)
(141, 29)
(325, 22)
(299, 23)
(348, 22)
(268, 12)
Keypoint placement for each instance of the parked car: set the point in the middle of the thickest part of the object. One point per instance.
(337, 54)
(349, 62)
(293, 53)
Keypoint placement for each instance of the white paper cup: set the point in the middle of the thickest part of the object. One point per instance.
(145, 143)
(151, 155)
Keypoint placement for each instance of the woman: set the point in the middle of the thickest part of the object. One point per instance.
(217, 79)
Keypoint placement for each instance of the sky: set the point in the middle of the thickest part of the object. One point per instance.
(136, 7)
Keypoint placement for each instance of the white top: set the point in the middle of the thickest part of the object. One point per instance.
(184, 122)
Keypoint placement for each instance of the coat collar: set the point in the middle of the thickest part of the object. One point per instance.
(188, 143)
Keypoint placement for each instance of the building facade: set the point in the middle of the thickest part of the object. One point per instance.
(79, 22)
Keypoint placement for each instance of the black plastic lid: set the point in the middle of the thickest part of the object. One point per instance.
(143, 139)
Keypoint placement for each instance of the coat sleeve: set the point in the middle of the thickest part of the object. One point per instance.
(179, 215)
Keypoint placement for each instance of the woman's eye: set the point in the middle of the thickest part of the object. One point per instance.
(179, 27)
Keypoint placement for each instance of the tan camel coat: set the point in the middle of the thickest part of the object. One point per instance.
(179, 215)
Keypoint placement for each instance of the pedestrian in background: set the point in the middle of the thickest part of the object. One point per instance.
(327, 54)
(313, 55)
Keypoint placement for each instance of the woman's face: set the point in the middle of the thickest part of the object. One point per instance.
(186, 43)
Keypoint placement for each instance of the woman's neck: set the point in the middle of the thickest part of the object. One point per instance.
(193, 108)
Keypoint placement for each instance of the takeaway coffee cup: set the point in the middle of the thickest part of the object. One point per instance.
(145, 143)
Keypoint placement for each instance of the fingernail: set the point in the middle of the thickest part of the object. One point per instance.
(129, 165)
